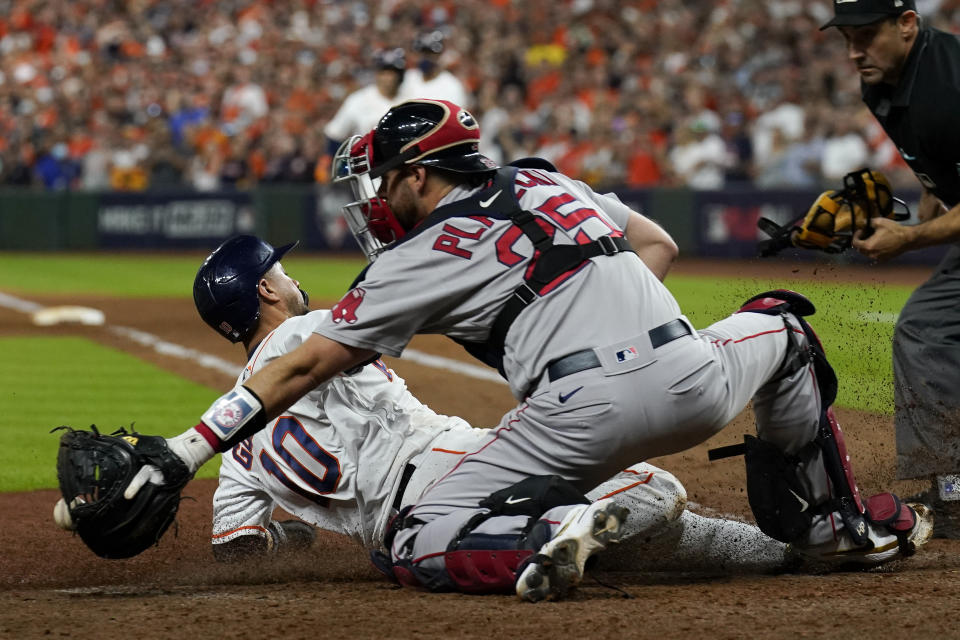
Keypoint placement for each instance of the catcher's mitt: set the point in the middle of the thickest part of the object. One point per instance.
(830, 223)
(94, 470)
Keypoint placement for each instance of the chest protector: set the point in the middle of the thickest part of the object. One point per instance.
(549, 261)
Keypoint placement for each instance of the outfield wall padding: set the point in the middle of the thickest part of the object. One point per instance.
(720, 224)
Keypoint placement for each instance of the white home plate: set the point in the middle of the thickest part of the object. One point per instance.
(58, 315)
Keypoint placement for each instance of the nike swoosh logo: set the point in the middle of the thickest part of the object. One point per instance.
(512, 500)
(563, 398)
(906, 156)
(489, 201)
(804, 505)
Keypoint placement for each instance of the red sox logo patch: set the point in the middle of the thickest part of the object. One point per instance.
(346, 309)
(227, 415)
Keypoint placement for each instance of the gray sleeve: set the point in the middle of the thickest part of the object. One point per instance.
(404, 290)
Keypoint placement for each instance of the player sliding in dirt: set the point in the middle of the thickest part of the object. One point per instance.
(350, 453)
(560, 288)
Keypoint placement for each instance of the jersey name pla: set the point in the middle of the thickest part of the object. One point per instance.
(449, 239)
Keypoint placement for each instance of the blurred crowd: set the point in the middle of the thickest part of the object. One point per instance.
(227, 94)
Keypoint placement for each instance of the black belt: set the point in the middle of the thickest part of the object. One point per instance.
(404, 479)
(587, 359)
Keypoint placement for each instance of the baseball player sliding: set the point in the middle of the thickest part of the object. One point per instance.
(351, 451)
(558, 287)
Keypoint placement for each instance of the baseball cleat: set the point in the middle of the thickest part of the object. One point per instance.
(886, 546)
(558, 566)
(922, 530)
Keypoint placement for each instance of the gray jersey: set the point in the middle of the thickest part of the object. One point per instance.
(454, 276)
(334, 458)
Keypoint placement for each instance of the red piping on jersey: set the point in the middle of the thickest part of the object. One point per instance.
(253, 360)
(719, 342)
(629, 486)
(428, 556)
(232, 531)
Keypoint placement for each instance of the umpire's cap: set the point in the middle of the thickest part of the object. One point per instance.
(225, 289)
(856, 13)
(434, 133)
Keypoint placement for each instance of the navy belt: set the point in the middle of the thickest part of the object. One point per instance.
(587, 359)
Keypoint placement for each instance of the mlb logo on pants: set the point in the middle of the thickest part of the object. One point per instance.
(627, 354)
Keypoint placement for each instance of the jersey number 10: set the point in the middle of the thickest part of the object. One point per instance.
(318, 470)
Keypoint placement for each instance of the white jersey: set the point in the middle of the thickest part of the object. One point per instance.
(335, 458)
(452, 275)
(360, 113)
(444, 86)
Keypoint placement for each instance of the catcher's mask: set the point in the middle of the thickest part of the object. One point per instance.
(225, 289)
(432, 133)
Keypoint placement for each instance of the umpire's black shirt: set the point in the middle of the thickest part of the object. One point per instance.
(922, 113)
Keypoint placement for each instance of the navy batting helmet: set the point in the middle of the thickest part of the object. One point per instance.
(225, 289)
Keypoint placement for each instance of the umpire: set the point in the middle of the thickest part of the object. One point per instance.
(910, 80)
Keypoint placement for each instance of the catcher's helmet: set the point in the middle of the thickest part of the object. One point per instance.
(225, 289)
(433, 133)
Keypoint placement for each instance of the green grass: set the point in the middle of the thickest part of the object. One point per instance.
(854, 321)
(47, 382)
(153, 276)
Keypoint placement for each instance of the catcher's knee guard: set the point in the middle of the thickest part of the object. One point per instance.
(479, 562)
(479, 559)
(781, 302)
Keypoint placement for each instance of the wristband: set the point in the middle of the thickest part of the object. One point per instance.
(235, 416)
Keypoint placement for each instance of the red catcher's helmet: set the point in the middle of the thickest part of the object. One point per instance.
(433, 133)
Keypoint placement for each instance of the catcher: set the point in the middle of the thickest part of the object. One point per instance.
(836, 216)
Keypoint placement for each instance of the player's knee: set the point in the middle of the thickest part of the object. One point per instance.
(670, 495)
(804, 346)
(288, 536)
(240, 549)
(654, 497)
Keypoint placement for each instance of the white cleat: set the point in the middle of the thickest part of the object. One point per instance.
(558, 566)
(885, 546)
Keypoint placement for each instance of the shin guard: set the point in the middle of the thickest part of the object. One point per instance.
(837, 464)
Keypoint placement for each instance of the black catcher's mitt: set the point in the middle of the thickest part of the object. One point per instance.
(95, 469)
(833, 218)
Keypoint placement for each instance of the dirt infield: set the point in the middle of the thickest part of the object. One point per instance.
(52, 586)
